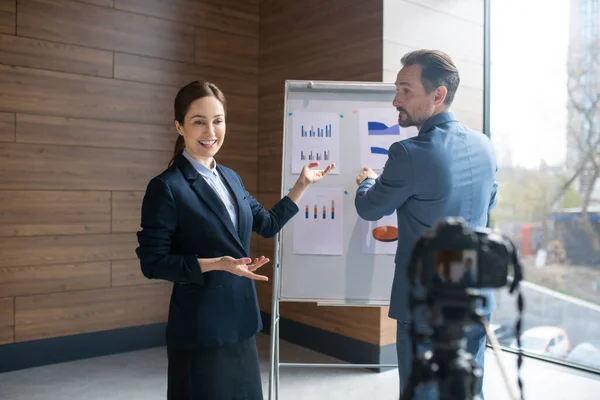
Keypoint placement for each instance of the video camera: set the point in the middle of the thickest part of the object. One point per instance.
(452, 255)
(448, 265)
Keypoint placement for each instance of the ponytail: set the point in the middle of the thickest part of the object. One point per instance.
(179, 146)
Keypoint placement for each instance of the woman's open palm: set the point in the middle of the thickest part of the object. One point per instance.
(242, 266)
(310, 176)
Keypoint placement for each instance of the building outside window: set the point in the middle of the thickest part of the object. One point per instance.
(545, 103)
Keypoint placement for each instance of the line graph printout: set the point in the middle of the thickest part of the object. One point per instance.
(378, 130)
(315, 138)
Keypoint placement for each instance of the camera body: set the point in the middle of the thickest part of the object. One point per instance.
(451, 262)
(452, 256)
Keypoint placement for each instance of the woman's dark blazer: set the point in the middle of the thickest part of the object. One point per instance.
(183, 219)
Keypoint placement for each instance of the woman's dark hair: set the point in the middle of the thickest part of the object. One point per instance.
(185, 97)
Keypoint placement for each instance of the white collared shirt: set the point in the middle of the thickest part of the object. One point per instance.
(212, 177)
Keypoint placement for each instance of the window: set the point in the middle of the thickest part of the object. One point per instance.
(544, 109)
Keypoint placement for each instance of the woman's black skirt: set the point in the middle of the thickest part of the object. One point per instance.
(223, 373)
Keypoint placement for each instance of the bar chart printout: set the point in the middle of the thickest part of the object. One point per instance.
(315, 137)
(318, 227)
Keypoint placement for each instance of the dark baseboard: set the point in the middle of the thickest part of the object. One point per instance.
(17, 356)
(332, 344)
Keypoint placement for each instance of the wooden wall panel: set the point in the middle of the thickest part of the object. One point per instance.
(51, 315)
(33, 53)
(238, 17)
(128, 273)
(126, 211)
(226, 50)
(86, 119)
(43, 129)
(7, 127)
(104, 28)
(8, 16)
(28, 166)
(103, 3)
(36, 91)
(66, 249)
(336, 40)
(18, 281)
(304, 40)
(36, 212)
(174, 73)
(7, 320)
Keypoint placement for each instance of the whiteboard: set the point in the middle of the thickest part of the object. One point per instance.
(351, 124)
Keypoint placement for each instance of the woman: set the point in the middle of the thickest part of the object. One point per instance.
(197, 220)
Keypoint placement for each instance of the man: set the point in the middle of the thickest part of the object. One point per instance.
(446, 170)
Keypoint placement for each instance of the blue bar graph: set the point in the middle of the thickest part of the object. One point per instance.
(315, 132)
(315, 213)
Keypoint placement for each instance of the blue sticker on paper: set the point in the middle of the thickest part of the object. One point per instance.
(290, 114)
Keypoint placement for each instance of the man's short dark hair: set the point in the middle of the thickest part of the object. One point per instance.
(437, 70)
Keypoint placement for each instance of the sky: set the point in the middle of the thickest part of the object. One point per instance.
(529, 44)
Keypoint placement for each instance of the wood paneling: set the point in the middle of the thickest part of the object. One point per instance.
(238, 17)
(41, 54)
(35, 212)
(7, 127)
(29, 166)
(312, 40)
(48, 250)
(174, 73)
(86, 120)
(8, 16)
(104, 28)
(361, 323)
(303, 40)
(128, 273)
(35, 91)
(18, 281)
(43, 129)
(103, 3)
(226, 50)
(324, 32)
(7, 320)
(51, 315)
(126, 211)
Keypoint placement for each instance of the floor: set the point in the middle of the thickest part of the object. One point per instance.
(141, 375)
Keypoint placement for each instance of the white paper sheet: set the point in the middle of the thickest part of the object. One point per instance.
(318, 226)
(378, 130)
(373, 246)
(315, 137)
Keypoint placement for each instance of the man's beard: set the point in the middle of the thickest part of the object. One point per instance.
(405, 122)
(408, 121)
